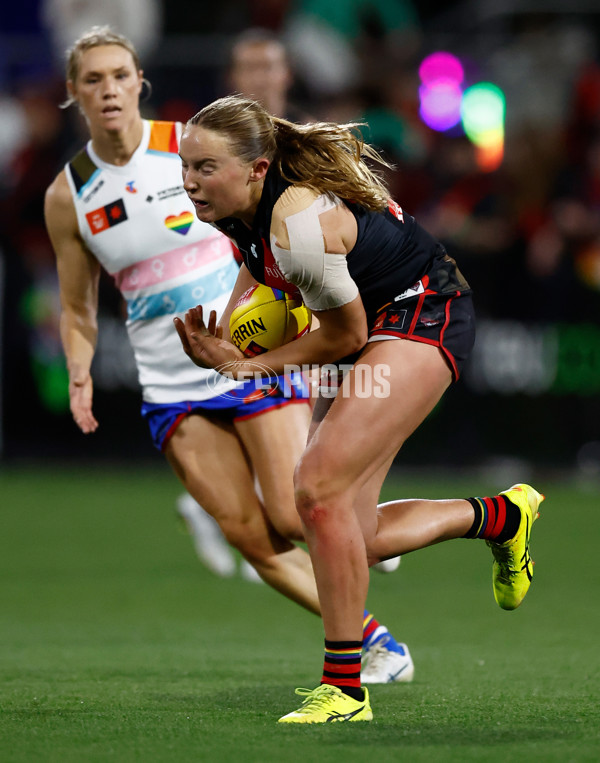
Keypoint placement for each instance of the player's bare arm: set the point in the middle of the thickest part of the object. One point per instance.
(79, 274)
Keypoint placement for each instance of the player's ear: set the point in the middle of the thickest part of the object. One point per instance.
(71, 90)
(259, 168)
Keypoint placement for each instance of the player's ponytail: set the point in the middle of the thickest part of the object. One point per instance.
(331, 158)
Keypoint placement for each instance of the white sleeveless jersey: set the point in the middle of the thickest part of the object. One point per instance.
(139, 223)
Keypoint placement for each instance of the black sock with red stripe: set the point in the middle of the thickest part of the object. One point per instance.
(496, 519)
(341, 667)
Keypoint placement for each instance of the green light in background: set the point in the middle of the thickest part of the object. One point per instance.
(482, 111)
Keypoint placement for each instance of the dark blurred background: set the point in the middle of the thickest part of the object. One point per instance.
(523, 225)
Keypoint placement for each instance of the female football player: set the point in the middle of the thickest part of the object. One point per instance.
(119, 204)
(309, 214)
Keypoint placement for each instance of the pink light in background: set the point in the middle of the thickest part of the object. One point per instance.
(440, 104)
(441, 66)
(441, 93)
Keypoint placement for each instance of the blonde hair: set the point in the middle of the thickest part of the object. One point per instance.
(326, 157)
(93, 38)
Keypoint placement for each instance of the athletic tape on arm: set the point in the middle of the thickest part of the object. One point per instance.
(322, 278)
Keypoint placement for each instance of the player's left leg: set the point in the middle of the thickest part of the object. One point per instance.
(355, 440)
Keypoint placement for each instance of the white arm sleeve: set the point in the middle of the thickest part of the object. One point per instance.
(322, 278)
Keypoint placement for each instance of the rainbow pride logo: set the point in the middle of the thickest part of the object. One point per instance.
(180, 223)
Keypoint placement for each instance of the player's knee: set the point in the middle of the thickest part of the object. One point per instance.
(304, 493)
(312, 490)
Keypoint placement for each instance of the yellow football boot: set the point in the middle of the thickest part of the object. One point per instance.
(327, 704)
(513, 566)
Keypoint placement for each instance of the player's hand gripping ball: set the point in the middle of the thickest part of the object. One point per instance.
(264, 318)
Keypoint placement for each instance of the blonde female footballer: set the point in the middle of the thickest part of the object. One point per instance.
(308, 213)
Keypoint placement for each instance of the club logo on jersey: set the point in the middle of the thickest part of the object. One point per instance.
(396, 210)
(106, 217)
(129, 187)
(180, 223)
(414, 290)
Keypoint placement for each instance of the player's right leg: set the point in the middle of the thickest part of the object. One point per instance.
(207, 456)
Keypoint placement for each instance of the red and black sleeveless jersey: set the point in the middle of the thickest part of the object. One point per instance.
(390, 255)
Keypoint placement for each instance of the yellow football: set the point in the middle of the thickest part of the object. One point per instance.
(264, 318)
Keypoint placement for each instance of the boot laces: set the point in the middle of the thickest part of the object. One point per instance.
(316, 698)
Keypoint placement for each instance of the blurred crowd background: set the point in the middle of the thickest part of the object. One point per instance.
(525, 230)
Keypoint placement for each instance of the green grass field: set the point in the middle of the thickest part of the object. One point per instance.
(116, 645)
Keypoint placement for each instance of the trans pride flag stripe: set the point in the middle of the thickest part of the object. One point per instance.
(173, 264)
